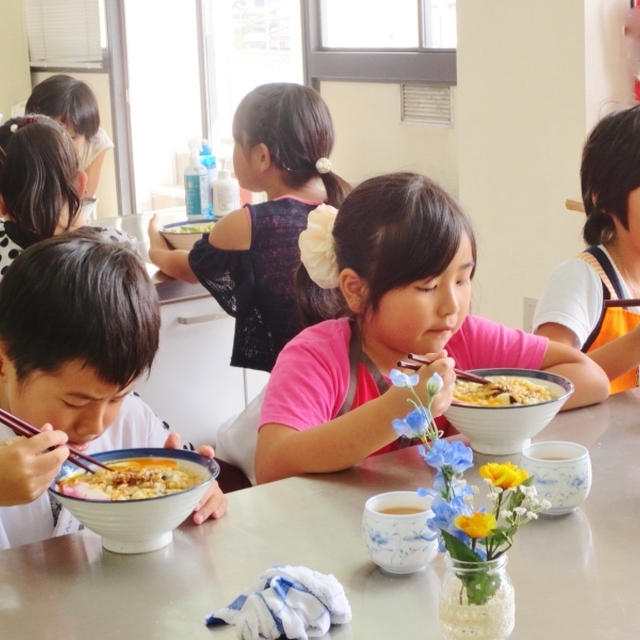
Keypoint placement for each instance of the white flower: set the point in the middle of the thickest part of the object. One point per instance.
(317, 248)
(520, 511)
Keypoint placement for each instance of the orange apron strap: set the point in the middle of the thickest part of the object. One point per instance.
(597, 267)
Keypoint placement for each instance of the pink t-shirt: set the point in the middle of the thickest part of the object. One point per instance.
(310, 379)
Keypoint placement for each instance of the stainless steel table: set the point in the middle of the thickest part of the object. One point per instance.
(575, 576)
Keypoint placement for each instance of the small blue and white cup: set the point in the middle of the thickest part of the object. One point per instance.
(562, 473)
(395, 531)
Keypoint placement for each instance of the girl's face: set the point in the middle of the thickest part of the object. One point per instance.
(78, 138)
(422, 316)
(244, 166)
(73, 399)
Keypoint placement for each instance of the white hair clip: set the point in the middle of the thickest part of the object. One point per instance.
(323, 165)
(14, 127)
(317, 248)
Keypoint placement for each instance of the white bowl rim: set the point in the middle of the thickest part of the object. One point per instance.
(584, 452)
(209, 464)
(535, 374)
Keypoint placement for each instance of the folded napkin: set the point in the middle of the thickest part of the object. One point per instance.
(296, 602)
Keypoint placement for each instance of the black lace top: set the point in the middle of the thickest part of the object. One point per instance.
(257, 286)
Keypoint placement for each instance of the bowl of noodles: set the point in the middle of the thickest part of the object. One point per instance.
(183, 235)
(140, 500)
(501, 418)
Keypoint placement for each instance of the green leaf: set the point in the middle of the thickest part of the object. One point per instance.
(458, 549)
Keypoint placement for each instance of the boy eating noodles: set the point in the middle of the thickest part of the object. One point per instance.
(79, 323)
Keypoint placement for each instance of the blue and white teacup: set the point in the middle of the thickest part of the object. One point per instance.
(394, 528)
(562, 473)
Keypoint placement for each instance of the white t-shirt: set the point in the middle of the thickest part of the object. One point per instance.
(135, 426)
(94, 146)
(573, 298)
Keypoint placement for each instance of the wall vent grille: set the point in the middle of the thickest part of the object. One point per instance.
(427, 104)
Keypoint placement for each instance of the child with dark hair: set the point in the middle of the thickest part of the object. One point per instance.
(583, 302)
(283, 138)
(398, 260)
(79, 323)
(40, 183)
(72, 103)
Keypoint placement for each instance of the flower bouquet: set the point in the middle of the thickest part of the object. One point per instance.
(476, 593)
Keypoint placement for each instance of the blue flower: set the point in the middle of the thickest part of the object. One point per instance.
(444, 514)
(414, 424)
(454, 455)
(400, 379)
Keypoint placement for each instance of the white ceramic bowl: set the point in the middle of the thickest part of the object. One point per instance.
(507, 430)
(183, 235)
(138, 526)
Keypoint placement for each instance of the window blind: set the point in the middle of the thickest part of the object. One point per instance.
(64, 33)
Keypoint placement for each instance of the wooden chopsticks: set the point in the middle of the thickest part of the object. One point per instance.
(625, 302)
(23, 428)
(463, 375)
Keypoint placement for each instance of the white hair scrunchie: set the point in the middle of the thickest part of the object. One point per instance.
(317, 248)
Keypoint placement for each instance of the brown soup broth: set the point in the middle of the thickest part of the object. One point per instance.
(400, 511)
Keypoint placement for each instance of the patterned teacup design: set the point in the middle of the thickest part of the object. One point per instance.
(394, 527)
(562, 473)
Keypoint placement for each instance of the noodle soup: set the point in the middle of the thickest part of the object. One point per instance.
(132, 479)
(506, 390)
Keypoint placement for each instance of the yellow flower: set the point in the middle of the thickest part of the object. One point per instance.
(477, 525)
(505, 475)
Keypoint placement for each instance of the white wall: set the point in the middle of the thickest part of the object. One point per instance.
(15, 83)
(533, 78)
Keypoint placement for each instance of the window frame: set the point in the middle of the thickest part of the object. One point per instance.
(419, 65)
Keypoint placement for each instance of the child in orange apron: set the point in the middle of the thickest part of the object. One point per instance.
(591, 301)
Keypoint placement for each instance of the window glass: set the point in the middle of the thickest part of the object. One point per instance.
(369, 24)
(440, 24)
(247, 43)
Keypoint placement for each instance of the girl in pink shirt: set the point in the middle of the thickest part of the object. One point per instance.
(389, 275)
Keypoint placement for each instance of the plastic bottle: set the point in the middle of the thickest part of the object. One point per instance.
(226, 193)
(196, 186)
(208, 161)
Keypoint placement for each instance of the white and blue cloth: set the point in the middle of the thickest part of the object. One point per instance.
(294, 602)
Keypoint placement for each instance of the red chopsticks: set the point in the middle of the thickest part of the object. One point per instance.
(23, 428)
(463, 375)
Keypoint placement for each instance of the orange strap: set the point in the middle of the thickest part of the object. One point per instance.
(616, 322)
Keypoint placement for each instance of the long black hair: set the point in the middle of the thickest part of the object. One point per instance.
(294, 123)
(391, 230)
(38, 174)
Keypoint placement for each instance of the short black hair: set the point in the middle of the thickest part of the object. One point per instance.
(79, 296)
(609, 172)
(68, 100)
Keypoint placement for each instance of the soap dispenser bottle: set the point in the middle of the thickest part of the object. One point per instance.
(196, 185)
(226, 192)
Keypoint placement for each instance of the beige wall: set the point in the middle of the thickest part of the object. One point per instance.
(15, 83)
(371, 139)
(533, 78)
(106, 192)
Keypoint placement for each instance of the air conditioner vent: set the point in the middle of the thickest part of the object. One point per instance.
(427, 104)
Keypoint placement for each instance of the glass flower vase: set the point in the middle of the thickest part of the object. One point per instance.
(476, 600)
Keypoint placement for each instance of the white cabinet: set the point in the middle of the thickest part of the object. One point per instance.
(191, 384)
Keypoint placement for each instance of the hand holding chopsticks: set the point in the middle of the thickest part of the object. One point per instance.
(23, 428)
(463, 375)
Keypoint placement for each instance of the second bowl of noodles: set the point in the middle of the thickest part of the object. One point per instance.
(502, 418)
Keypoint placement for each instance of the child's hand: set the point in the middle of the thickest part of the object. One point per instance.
(156, 240)
(443, 365)
(27, 467)
(214, 503)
